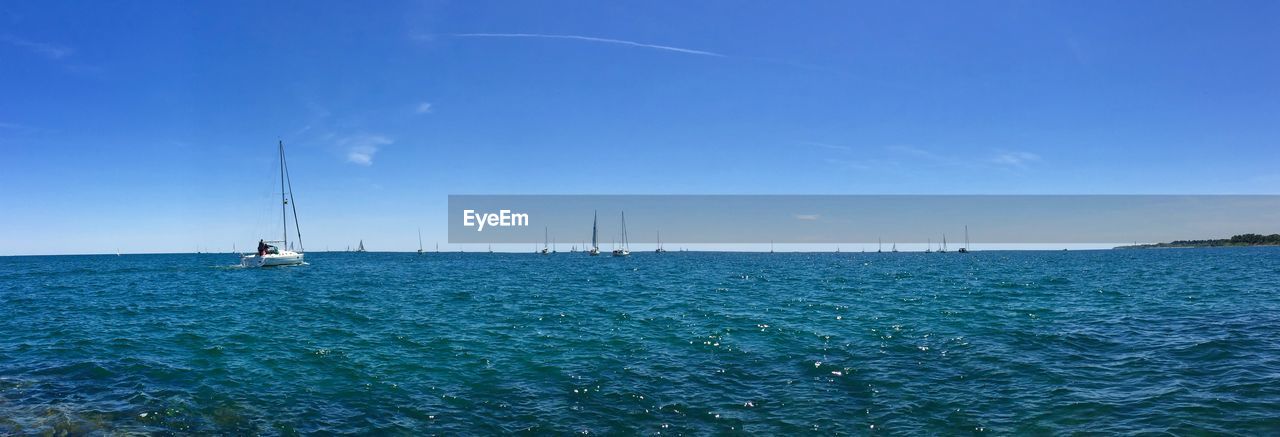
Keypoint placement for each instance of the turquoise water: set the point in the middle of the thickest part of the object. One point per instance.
(1133, 341)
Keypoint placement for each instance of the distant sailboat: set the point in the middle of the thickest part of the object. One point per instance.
(943, 249)
(360, 247)
(419, 241)
(895, 248)
(928, 247)
(625, 250)
(879, 245)
(770, 246)
(660, 249)
(269, 255)
(490, 248)
(545, 248)
(965, 249)
(595, 244)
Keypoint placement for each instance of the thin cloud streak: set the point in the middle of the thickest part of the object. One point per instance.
(1015, 159)
(590, 39)
(51, 51)
(827, 146)
(904, 156)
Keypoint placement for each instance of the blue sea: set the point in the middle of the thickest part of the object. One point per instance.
(1124, 341)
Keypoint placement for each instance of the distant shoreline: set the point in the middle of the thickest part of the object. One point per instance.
(1243, 240)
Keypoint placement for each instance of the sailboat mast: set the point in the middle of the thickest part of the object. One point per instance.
(292, 203)
(419, 240)
(284, 201)
(595, 220)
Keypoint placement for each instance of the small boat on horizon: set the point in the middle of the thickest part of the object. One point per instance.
(625, 250)
(419, 241)
(660, 249)
(965, 249)
(595, 244)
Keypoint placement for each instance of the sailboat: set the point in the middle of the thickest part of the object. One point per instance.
(595, 243)
(360, 248)
(419, 241)
(965, 249)
(545, 233)
(659, 249)
(943, 248)
(269, 255)
(928, 247)
(878, 245)
(490, 248)
(625, 250)
(770, 246)
(895, 248)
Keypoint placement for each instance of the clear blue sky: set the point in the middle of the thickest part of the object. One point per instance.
(150, 126)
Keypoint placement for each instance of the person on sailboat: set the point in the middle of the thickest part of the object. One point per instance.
(262, 247)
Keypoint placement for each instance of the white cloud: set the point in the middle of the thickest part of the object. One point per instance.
(917, 152)
(590, 39)
(51, 51)
(361, 148)
(828, 146)
(1015, 159)
(423, 108)
(806, 217)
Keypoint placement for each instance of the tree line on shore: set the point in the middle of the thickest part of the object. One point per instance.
(1235, 240)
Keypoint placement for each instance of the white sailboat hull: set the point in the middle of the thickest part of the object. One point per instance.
(284, 258)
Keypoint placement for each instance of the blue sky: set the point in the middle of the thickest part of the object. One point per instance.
(150, 126)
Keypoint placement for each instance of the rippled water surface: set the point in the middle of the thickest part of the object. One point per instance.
(695, 343)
